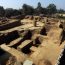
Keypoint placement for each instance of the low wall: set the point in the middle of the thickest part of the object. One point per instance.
(10, 25)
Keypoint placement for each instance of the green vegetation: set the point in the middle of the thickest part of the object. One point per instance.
(29, 10)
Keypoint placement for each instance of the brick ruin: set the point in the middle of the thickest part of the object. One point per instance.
(38, 43)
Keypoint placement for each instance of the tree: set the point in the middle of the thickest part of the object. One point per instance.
(61, 11)
(52, 9)
(27, 9)
(8, 12)
(21, 11)
(2, 11)
(39, 8)
(16, 12)
(12, 12)
(39, 4)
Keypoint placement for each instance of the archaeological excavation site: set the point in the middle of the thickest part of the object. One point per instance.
(32, 35)
(32, 41)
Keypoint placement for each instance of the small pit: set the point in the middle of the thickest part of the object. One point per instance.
(43, 31)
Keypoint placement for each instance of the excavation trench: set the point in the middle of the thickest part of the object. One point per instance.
(27, 36)
(63, 37)
(62, 60)
(8, 37)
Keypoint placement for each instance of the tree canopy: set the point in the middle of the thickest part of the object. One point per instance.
(27, 9)
(30, 10)
(39, 8)
(2, 11)
(52, 9)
